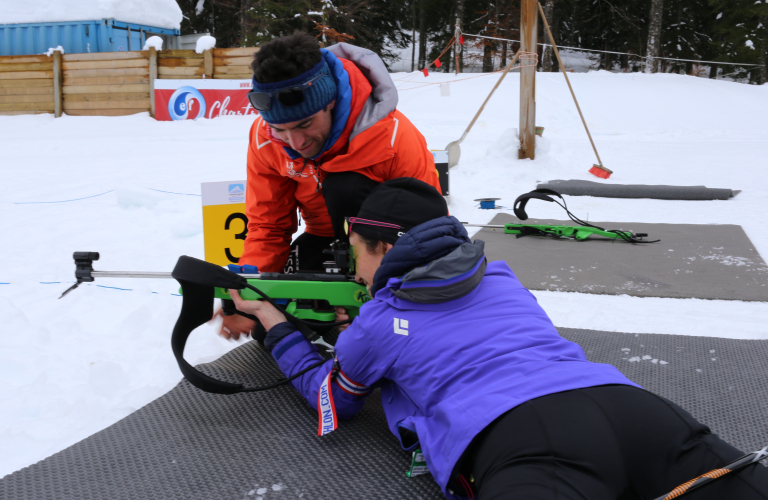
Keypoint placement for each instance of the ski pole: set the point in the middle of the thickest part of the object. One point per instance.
(712, 475)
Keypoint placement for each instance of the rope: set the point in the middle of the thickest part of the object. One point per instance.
(565, 73)
(60, 201)
(95, 196)
(617, 53)
(451, 81)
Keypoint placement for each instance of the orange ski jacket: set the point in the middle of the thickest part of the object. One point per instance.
(377, 141)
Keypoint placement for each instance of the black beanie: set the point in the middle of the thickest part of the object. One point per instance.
(404, 201)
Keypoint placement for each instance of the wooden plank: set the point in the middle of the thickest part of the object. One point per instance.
(232, 61)
(115, 64)
(24, 59)
(236, 52)
(189, 54)
(142, 104)
(180, 77)
(120, 96)
(25, 83)
(529, 21)
(8, 99)
(100, 73)
(104, 112)
(233, 70)
(58, 80)
(167, 72)
(103, 89)
(40, 66)
(106, 56)
(208, 67)
(11, 113)
(248, 76)
(108, 80)
(27, 91)
(27, 106)
(180, 62)
(152, 78)
(26, 75)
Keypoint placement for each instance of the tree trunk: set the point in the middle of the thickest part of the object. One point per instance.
(242, 23)
(546, 60)
(762, 55)
(487, 57)
(413, 38)
(459, 58)
(422, 34)
(654, 36)
(503, 55)
(713, 72)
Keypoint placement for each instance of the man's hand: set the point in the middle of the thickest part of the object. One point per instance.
(266, 312)
(341, 315)
(234, 326)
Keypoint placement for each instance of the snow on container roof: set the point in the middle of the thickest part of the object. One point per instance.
(159, 13)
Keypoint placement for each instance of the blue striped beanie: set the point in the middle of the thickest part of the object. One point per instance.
(319, 95)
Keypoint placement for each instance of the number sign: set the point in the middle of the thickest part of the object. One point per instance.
(224, 222)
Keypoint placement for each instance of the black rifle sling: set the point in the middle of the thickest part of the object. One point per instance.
(198, 280)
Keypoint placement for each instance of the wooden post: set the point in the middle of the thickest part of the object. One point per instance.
(58, 80)
(208, 61)
(152, 76)
(529, 21)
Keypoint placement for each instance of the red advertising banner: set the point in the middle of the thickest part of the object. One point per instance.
(193, 99)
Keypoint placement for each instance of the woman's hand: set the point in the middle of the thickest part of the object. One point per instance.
(341, 315)
(266, 312)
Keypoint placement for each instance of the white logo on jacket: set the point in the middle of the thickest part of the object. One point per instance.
(401, 326)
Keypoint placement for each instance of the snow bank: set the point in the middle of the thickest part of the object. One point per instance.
(159, 13)
(204, 43)
(153, 41)
(51, 50)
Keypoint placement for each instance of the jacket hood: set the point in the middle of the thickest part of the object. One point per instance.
(383, 97)
(432, 263)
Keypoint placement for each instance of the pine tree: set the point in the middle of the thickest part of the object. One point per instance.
(741, 35)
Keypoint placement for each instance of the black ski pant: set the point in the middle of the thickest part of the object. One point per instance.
(609, 442)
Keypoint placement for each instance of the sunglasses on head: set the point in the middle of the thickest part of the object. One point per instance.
(292, 96)
(348, 221)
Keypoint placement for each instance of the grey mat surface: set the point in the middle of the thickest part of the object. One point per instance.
(658, 192)
(193, 445)
(690, 261)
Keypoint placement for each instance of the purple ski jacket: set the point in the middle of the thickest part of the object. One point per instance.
(452, 341)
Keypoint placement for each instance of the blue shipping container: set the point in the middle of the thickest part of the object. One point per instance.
(77, 37)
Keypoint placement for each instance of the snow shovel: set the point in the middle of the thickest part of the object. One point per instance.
(453, 148)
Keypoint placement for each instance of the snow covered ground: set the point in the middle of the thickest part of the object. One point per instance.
(71, 367)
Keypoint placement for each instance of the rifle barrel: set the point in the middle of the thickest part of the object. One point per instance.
(141, 274)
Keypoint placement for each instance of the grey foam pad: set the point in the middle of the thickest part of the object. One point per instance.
(190, 445)
(658, 192)
(690, 261)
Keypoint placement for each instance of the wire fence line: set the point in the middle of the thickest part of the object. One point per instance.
(640, 58)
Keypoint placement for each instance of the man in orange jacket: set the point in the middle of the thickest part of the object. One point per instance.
(327, 134)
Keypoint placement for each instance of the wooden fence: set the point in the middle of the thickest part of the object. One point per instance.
(108, 83)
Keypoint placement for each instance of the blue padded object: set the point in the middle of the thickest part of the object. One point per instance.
(246, 269)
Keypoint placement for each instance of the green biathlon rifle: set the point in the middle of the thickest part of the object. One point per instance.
(311, 301)
(580, 232)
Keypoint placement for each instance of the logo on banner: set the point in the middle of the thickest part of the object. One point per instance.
(236, 193)
(187, 103)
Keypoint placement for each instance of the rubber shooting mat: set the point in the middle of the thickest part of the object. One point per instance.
(657, 192)
(690, 261)
(190, 445)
